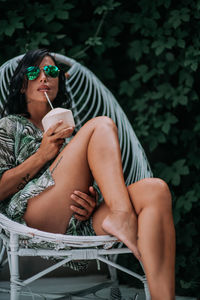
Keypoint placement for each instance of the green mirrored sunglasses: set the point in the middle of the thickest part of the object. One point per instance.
(33, 72)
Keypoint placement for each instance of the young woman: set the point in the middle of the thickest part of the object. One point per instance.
(43, 179)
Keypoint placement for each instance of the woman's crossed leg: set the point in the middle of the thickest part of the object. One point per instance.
(156, 235)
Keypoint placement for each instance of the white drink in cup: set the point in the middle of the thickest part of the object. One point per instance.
(57, 114)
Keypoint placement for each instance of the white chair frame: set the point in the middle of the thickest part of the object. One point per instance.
(90, 98)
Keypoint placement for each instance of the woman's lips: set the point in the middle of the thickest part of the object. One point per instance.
(43, 88)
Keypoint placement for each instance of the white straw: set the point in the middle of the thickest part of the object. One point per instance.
(48, 100)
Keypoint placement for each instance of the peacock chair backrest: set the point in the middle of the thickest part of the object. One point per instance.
(90, 98)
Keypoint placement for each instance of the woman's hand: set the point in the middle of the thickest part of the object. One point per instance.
(85, 204)
(52, 141)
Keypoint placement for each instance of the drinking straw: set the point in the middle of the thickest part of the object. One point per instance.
(48, 100)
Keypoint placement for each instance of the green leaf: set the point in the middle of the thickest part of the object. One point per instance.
(142, 69)
(134, 50)
(111, 5)
(170, 43)
(63, 15)
(174, 172)
(181, 43)
(49, 17)
(38, 38)
(135, 77)
(167, 3)
(185, 284)
(159, 46)
(166, 127)
(176, 179)
(194, 66)
(114, 31)
(101, 9)
(159, 50)
(161, 138)
(61, 36)
(138, 48)
(13, 23)
(9, 31)
(94, 41)
(153, 144)
(188, 206)
(126, 88)
(148, 75)
(186, 78)
(198, 5)
(56, 26)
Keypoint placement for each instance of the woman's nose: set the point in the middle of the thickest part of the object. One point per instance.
(43, 76)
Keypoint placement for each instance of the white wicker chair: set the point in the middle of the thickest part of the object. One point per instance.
(90, 98)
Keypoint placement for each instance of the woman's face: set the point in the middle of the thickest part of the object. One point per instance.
(43, 83)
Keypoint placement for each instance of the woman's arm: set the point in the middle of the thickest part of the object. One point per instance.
(16, 178)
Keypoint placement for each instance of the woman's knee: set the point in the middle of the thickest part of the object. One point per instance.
(152, 192)
(160, 195)
(104, 122)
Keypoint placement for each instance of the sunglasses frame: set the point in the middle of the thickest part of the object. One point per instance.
(47, 70)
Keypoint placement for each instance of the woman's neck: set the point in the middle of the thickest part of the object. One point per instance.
(37, 113)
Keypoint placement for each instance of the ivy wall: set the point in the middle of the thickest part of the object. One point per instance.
(148, 53)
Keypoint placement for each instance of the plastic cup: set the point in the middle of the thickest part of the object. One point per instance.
(57, 114)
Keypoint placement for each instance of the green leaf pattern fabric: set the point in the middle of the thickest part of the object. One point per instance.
(19, 139)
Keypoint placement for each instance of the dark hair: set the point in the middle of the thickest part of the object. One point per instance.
(16, 102)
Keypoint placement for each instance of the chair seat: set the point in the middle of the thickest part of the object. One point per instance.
(28, 235)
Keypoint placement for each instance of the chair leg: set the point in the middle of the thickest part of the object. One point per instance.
(113, 273)
(146, 290)
(14, 268)
(115, 293)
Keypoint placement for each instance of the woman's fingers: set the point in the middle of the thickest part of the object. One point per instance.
(63, 133)
(81, 218)
(60, 142)
(50, 147)
(85, 199)
(80, 211)
(67, 132)
(93, 193)
(85, 204)
(52, 129)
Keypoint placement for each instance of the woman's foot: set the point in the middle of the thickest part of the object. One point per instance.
(123, 225)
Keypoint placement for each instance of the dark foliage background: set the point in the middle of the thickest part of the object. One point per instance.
(148, 54)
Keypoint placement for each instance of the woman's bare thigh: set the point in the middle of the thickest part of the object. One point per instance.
(50, 210)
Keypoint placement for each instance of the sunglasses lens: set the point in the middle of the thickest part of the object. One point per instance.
(32, 73)
(51, 71)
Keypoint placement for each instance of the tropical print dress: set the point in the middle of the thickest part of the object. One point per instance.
(19, 139)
